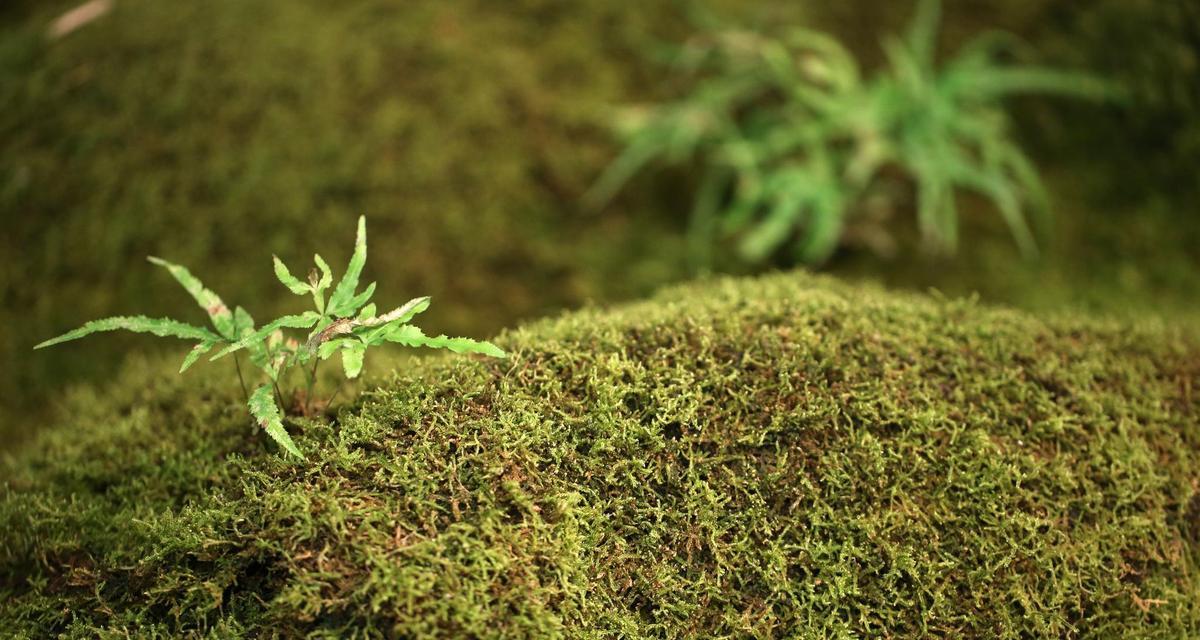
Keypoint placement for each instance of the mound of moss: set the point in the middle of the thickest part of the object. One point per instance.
(781, 457)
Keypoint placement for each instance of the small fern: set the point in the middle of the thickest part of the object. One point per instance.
(793, 138)
(345, 324)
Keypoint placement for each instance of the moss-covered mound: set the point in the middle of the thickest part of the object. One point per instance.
(783, 457)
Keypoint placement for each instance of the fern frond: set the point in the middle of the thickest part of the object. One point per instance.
(401, 314)
(346, 287)
(352, 359)
(352, 306)
(162, 327)
(326, 273)
(218, 313)
(306, 320)
(194, 355)
(291, 282)
(411, 336)
(266, 413)
(922, 33)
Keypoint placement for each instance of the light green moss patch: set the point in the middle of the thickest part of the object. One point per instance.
(763, 458)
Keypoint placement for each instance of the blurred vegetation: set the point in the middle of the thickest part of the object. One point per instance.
(468, 131)
(1153, 48)
(794, 141)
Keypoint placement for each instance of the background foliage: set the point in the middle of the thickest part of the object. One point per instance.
(468, 131)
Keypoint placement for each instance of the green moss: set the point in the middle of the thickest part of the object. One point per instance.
(787, 456)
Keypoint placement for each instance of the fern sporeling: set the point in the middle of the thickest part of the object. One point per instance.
(346, 323)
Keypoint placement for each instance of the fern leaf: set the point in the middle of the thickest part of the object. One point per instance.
(291, 282)
(344, 292)
(352, 359)
(266, 413)
(326, 273)
(242, 322)
(401, 314)
(412, 336)
(163, 327)
(923, 32)
(351, 306)
(1000, 82)
(327, 349)
(769, 234)
(1002, 193)
(212, 304)
(305, 320)
(194, 355)
(244, 327)
(637, 155)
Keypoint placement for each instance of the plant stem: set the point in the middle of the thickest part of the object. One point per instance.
(237, 363)
(279, 395)
(312, 383)
(329, 402)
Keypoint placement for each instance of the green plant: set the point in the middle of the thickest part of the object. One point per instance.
(793, 139)
(345, 324)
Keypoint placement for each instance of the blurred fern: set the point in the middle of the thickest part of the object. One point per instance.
(792, 138)
(345, 324)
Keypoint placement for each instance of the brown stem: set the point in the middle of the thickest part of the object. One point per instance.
(329, 402)
(312, 383)
(237, 363)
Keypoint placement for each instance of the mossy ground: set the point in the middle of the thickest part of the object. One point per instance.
(781, 457)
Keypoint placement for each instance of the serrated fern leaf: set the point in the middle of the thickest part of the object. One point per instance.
(291, 282)
(411, 336)
(344, 292)
(351, 306)
(267, 414)
(194, 355)
(163, 327)
(243, 322)
(306, 320)
(218, 313)
(326, 273)
(352, 359)
(327, 349)
(401, 314)
(244, 327)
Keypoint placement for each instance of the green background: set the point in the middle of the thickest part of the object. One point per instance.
(214, 134)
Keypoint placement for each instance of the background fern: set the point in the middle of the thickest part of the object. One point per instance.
(793, 139)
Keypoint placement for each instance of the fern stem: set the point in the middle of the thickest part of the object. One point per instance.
(237, 364)
(312, 383)
(329, 402)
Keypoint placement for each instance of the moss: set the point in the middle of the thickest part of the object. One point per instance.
(739, 458)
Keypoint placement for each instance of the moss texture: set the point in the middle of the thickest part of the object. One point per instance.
(780, 457)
